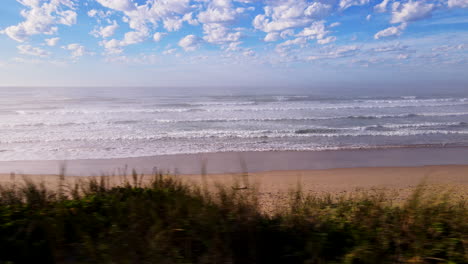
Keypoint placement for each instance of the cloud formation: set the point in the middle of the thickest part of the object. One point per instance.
(52, 41)
(33, 51)
(76, 50)
(190, 43)
(264, 31)
(390, 31)
(42, 17)
(411, 11)
(458, 3)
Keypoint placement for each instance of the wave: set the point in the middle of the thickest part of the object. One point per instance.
(47, 124)
(260, 134)
(289, 98)
(99, 112)
(417, 126)
(412, 100)
(233, 120)
(413, 115)
(221, 103)
(327, 107)
(316, 131)
(245, 107)
(408, 97)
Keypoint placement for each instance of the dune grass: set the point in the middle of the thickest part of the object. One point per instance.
(166, 221)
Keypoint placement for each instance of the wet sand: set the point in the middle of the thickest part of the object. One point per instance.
(235, 162)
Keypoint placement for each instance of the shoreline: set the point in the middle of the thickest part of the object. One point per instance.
(249, 161)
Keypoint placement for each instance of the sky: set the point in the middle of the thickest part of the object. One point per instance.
(232, 42)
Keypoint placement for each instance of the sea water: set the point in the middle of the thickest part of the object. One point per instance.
(95, 123)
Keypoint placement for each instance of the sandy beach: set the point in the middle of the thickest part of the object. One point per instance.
(274, 186)
(396, 171)
(397, 182)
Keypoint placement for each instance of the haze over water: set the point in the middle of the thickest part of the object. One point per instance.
(76, 123)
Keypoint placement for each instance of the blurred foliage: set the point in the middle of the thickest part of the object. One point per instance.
(166, 221)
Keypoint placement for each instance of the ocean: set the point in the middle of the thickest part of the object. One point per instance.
(101, 123)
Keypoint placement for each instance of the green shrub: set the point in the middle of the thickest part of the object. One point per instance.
(166, 221)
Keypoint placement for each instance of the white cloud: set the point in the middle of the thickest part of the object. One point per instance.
(272, 36)
(382, 7)
(403, 56)
(133, 37)
(284, 47)
(391, 31)
(458, 3)
(120, 5)
(249, 53)
(446, 48)
(92, 13)
(287, 33)
(219, 34)
(344, 51)
(106, 31)
(368, 17)
(217, 14)
(99, 13)
(42, 18)
(287, 14)
(263, 23)
(169, 51)
(33, 51)
(67, 17)
(52, 41)
(142, 18)
(77, 50)
(316, 30)
(411, 11)
(140, 59)
(112, 46)
(189, 18)
(162, 9)
(216, 20)
(344, 4)
(158, 36)
(326, 40)
(190, 43)
(339, 52)
(317, 10)
(390, 48)
(233, 46)
(173, 24)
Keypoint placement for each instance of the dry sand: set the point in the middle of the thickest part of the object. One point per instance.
(398, 182)
(274, 186)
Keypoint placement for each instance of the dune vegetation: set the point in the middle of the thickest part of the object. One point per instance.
(166, 221)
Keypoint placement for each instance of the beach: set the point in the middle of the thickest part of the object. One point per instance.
(329, 142)
(274, 187)
(394, 171)
(331, 166)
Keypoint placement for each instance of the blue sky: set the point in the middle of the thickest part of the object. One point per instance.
(231, 43)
